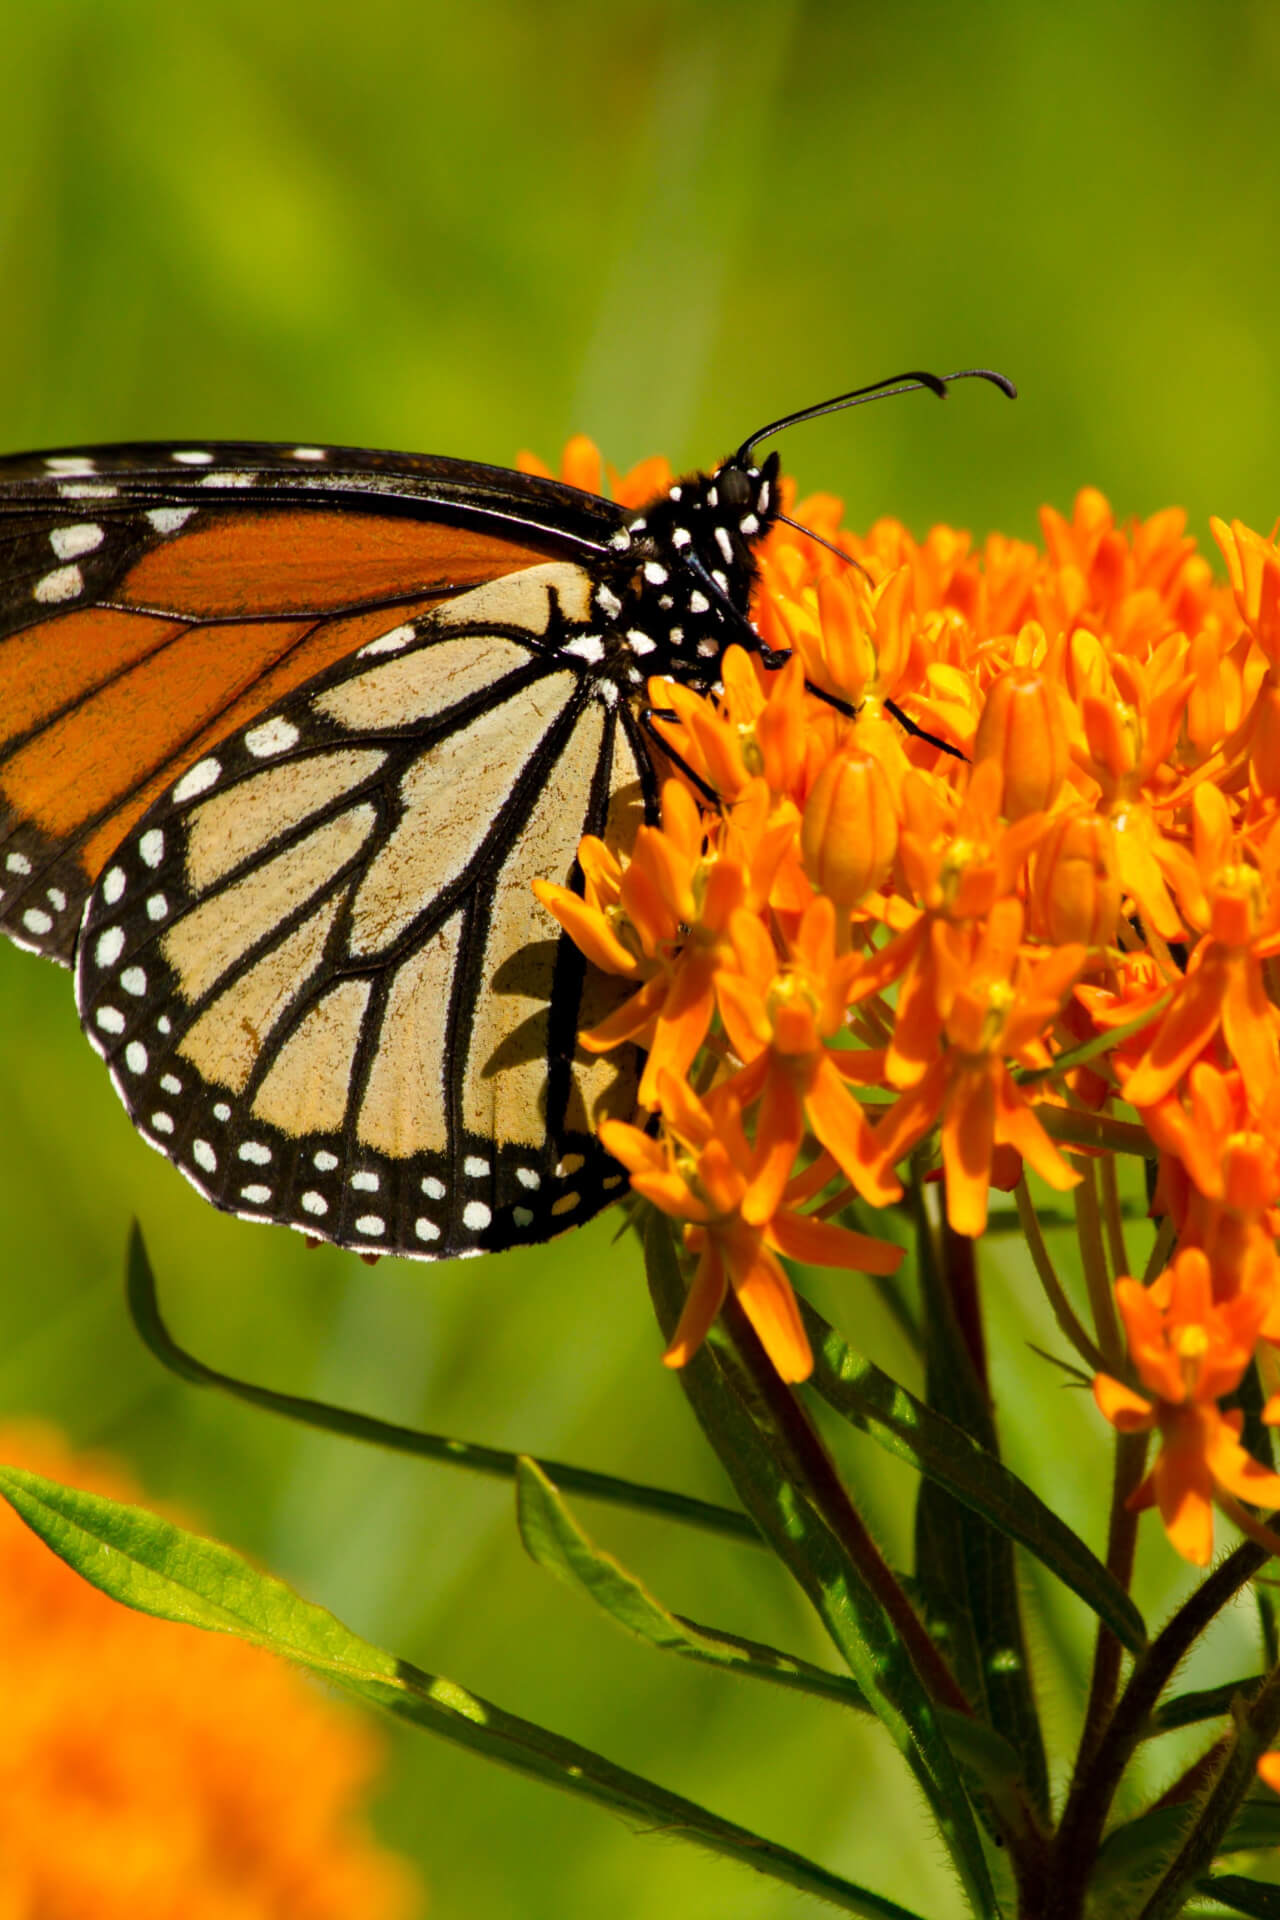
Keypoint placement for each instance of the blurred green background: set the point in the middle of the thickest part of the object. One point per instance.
(470, 229)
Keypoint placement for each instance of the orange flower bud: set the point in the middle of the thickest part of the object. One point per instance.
(850, 832)
(1023, 728)
(1075, 887)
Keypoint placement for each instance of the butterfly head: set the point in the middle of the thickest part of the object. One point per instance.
(688, 562)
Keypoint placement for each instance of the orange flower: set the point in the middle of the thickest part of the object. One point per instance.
(1189, 1349)
(148, 1768)
(837, 879)
(998, 1007)
(699, 1172)
(1224, 988)
(777, 1019)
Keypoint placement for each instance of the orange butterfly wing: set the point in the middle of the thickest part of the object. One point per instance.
(148, 609)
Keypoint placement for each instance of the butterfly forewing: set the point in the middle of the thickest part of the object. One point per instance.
(153, 600)
(316, 968)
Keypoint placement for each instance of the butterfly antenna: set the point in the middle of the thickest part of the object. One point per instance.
(830, 545)
(878, 390)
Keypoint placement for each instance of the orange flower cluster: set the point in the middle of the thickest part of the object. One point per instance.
(867, 947)
(147, 1768)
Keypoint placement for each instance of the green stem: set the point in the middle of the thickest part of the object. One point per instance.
(1064, 1313)
(811, 1469)
(1111, 1215)
(1256, 1728)
(1122, 1536)
(1093, 1787)
(1106, 1324)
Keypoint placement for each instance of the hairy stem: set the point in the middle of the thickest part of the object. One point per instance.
(1122, 1536)
(1256, 1728)
(1094, 1786)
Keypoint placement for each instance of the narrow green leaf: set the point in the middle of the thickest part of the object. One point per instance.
(1207, 1703)
(904, 1426)
(1258, 1898)
(555, 1540)
(144, 1307)
(965, 1565)
(158, 1568)
(756, 1456)
(1131, 1852)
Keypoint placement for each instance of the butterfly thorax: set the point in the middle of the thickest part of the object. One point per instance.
(680, 590)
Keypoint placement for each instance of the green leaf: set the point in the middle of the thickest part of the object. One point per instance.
(144, 1306)
(158, 1568)
(556, 1541)
(1207, 1703)
(966, 1566)
(757, 1455)
(1132, 1851)
(904, 1426)
(1258, 1898)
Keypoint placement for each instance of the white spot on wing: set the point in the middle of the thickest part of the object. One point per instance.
(109, 946)
(204, 1156)
(588, 647)
(273, 736)
(256, 1196)
(306, 453)
(197, 779)
(135, 1057)
(324, 1161)
(110, 1019)
(151, 847)
(134, 981)
(314, 1203)
(113, 885)
(193, 457)
(255, 1152)
(529, 1177)
(18, 863)
(426, 1229)
(36, 920)
(371, 1224)
(433, 1188)
(162, 1122)
(365, 1182)
(476, 1167)
(73, 490)
(70, 542)
(169, 519)
(476, 1215)
(389, 642)
(69, 463)
(64, 583)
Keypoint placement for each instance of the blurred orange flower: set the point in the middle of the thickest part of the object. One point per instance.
(149, 1769)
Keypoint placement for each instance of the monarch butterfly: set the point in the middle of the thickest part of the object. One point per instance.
(285, 734)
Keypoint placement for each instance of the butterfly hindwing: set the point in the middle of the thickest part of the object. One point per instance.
(316, 968)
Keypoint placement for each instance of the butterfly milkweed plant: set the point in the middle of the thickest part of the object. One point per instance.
(952, 952)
